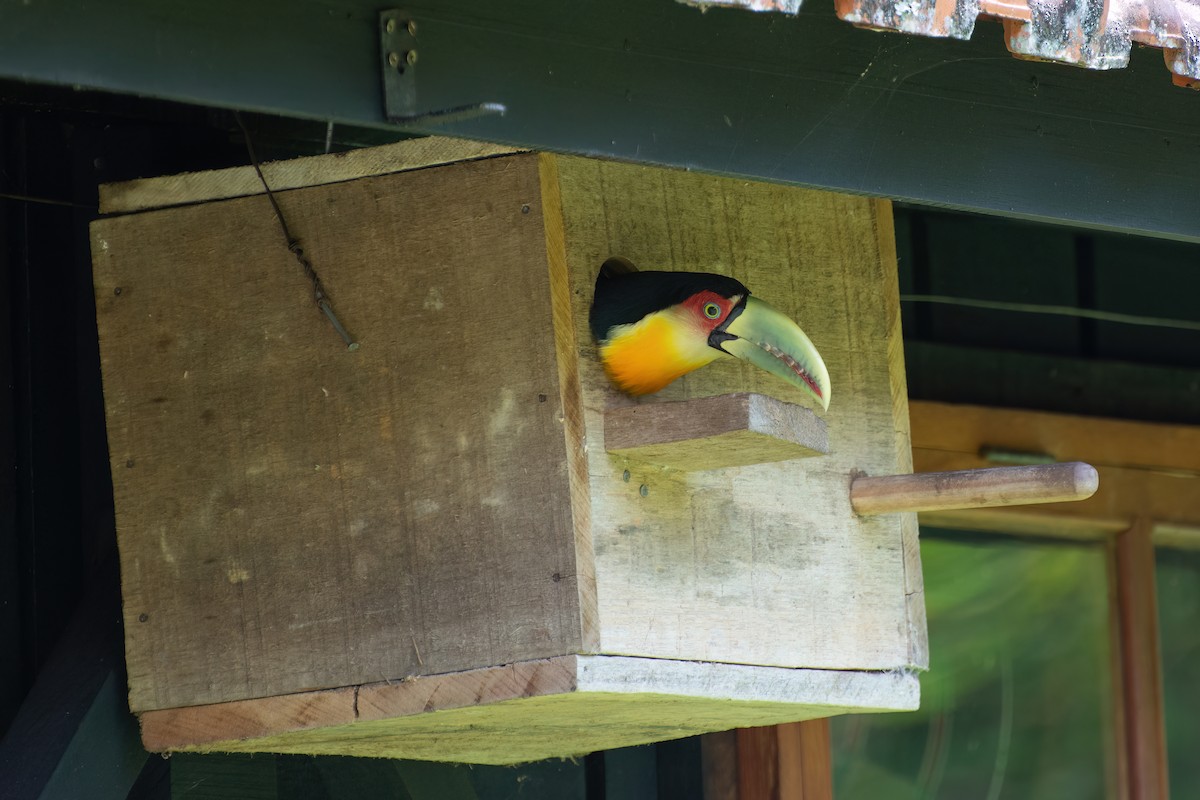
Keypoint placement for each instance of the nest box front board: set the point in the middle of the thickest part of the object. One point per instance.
(408, 549)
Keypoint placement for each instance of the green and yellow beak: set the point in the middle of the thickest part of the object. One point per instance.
(756, 332)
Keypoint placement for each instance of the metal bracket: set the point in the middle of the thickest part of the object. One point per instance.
(400, 56)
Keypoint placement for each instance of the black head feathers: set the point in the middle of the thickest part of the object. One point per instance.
(624, 295)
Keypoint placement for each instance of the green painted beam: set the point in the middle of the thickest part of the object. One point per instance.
(807, 99)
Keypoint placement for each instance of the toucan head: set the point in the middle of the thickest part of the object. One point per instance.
(654, 327)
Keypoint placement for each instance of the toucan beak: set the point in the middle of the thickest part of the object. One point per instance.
(771, 341)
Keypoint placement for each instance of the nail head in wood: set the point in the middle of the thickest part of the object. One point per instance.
(729, 430)
(974, 488)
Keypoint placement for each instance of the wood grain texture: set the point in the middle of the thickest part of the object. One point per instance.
(914, 583)
(1141, 466)
(974, 488)
(1118, 747)
(763, 564)
(805, 760)
(758, 764)
(733, 430)
(1141, 695)
(222, 184)
(571, 399)
(292, 516)
(529, 711)
(170, 729)
(791, 761)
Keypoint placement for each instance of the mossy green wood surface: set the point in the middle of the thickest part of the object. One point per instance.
(562, 708)
(519, 731)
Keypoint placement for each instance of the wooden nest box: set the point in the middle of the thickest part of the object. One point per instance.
(424, 548)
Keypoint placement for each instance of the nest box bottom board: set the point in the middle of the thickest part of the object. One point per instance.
(550, 708)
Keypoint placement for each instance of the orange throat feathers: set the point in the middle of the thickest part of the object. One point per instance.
(645, 356)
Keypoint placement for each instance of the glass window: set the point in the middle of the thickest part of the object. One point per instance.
(1178, 580)
(1018, 699)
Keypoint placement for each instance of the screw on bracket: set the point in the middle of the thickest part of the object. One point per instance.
(399, 52)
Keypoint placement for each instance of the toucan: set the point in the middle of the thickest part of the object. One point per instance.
(653, 327)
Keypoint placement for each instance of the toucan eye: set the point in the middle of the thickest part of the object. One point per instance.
(712, 310)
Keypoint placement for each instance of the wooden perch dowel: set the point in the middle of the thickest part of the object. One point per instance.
(974, 488)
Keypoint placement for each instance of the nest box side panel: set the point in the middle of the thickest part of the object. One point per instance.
(293, 516)
(763, 564)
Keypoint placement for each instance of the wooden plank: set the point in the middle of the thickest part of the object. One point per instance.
(222, 184)
(974, 488)
(838, 689)
(1064, 437)
(754, 567)
(1140, 466)
(733, 430)
(791, 761)
(805, 760)
(1144, 739)
(1116, 744)
(170, 729)
(308, 540)
(571, 399)
(1124, 494)
(628, 701)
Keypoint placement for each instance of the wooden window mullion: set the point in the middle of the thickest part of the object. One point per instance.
(1141, 729)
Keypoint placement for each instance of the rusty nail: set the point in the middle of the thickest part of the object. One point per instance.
(394, 59)
(411, 57)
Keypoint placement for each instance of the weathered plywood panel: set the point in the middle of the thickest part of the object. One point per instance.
(561, 707)
(763, 564)
(293, 516)
(295, 173)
